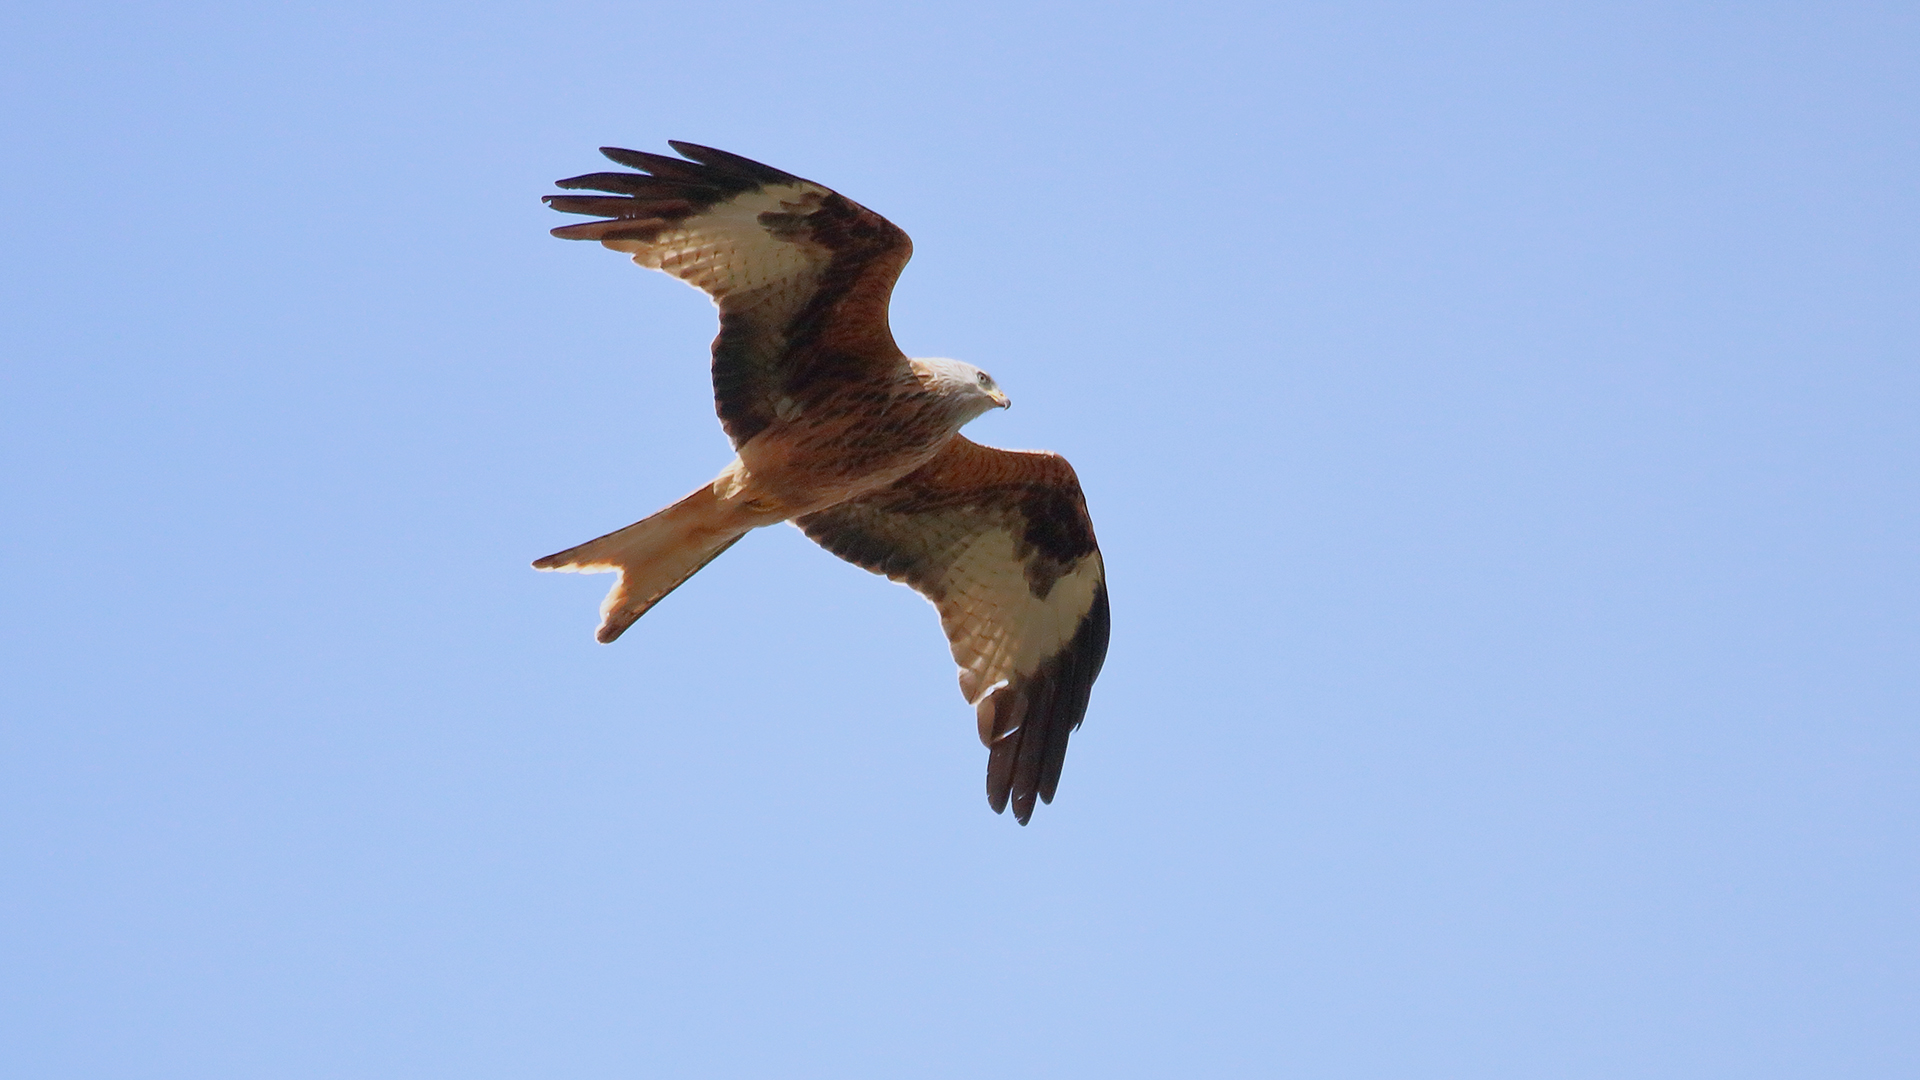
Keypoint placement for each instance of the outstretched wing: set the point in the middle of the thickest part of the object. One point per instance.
(801, 275)
(1001, 543)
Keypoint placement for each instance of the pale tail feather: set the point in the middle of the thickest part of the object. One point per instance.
(653, 557)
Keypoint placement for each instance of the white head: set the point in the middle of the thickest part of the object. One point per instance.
(971, 390)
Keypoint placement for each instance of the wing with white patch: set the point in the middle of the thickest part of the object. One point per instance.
(802, 275)
(1000, 541)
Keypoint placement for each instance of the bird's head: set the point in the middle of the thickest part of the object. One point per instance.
(973, 391)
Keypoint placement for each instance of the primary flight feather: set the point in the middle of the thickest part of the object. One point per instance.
(838, 431)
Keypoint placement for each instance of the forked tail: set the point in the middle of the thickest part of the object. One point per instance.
(653, 557)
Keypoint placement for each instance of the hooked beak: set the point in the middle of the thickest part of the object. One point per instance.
(1001, 400)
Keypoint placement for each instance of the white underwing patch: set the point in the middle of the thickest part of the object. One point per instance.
(998, 627)
(726, 249)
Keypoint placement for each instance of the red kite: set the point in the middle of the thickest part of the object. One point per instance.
(838, 431)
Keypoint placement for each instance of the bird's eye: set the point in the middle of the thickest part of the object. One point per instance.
(984, 381)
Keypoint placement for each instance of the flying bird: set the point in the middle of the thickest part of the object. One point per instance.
(839, 432)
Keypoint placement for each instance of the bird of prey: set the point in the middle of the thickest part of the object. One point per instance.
(838, 431)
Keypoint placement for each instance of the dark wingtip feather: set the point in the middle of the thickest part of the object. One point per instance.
(626, 183)
(734, 163)
(660, 165)
(644, 230)
(998, 714)
(599, 205)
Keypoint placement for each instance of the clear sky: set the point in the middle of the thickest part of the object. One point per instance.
(1499, 421)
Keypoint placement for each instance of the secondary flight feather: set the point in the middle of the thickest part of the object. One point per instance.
(839, 432)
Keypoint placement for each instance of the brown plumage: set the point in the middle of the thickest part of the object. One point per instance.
(838, 431)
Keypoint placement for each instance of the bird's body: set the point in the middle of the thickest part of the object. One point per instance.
(824, 451)
(838, 431)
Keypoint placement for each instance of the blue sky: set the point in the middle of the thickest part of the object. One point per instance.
(1499, 421)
